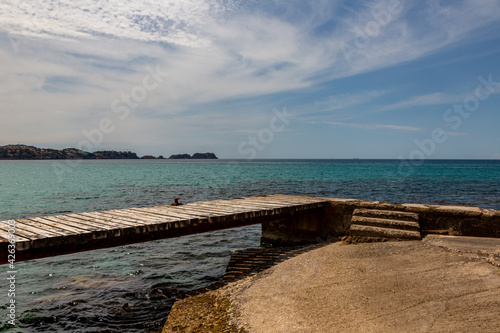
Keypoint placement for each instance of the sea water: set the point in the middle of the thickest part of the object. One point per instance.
(132, 288)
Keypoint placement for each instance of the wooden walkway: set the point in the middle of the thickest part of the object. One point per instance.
(61, 234)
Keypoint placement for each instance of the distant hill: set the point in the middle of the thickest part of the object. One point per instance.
(23, 152)
(196, 156)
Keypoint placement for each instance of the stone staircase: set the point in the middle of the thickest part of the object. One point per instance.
(382, 225)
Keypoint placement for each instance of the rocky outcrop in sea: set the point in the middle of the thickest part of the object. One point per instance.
(196, 156)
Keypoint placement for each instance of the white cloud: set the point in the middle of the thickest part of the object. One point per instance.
(72, 60)
(178, 21)
(496, 156)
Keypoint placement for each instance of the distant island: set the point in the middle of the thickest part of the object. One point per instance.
(196, 156)
(24, 152)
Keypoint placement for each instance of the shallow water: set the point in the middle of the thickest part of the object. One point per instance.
(131, 288)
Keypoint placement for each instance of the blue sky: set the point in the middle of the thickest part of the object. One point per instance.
(254, 79)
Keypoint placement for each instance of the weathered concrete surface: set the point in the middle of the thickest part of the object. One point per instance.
(474, 247)
(377, 287)
(433, 219)
(334, 220)
(210, 310)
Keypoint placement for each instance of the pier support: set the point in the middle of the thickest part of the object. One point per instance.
(313, 226)
(333, 220)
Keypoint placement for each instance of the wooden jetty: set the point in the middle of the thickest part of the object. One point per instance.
(46, 236)
(286, 220)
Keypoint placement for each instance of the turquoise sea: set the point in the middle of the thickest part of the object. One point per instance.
(131, 288)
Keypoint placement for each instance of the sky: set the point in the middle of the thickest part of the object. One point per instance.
(253, 79)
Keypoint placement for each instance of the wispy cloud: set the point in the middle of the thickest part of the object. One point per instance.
(455, 133)
(342, 101)
(422, 100)
(370, 126)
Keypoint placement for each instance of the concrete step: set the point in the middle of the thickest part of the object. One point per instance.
(386, 223)
(371, 231)
(386, 214)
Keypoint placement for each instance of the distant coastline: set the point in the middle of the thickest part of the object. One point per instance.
(25, 152)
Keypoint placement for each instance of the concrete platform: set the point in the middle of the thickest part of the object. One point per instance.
(466, 244)
(441, 284)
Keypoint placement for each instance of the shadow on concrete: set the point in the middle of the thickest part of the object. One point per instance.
(248, 262)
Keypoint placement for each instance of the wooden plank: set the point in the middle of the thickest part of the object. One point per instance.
(4, 234)
(117, 229)
(292, 197)
(290, 200)
(145, 226)
(287, 198)
(261, 204)
(112, 229)
(83, 218)
(78, 220)
(96, 231)
(220, 205)
(58, 226)
(276, 202)
(216, 210)
(68, 237)
(75, 223)
(240, 204)
(175, 210)
(26, 234)
(300, 197)
(39, 238)
(140, 226)
(252, 206)
(22, 244)
(199, 211)
(136, 217)
(147, 214)
(112, 220)
(144, 211)
(167, 210)
(21, 225)
(231, 203)
(130, 219)
(279, 206)
(244, 202)
(253, 213)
